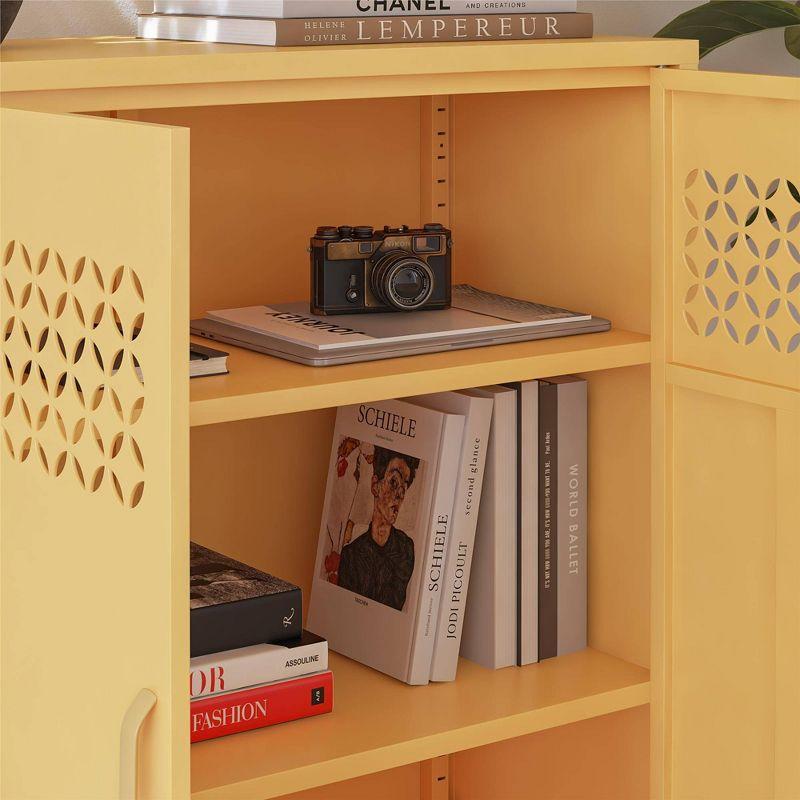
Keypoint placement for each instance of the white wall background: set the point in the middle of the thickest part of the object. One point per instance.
(760, 52)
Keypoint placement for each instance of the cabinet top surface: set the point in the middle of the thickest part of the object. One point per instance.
(114, 61)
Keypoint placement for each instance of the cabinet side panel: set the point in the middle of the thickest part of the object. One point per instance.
(723, 550)
(94, 452)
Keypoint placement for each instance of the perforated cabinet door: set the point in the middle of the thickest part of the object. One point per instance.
(726, 471)
(94, 464)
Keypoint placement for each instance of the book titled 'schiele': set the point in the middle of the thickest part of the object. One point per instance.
(386, 526)
(260, 706)
(563, 518)
(365, 30)
(234, 605)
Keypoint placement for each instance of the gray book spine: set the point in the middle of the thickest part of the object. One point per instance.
(571, 517)
(548, 511)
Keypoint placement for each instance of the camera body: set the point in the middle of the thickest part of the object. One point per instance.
(360, 270)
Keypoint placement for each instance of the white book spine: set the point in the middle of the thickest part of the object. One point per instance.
(295, 9)
(489, 637)
(440, 530)
(462, 541)
(250, 666)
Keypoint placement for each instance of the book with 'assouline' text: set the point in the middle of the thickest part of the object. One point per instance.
(260, 663)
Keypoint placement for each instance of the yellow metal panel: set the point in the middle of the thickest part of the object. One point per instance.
(253, 389)
(108, 62)
(724, 556)
(726, 374)
(732, 180)
(94, 452)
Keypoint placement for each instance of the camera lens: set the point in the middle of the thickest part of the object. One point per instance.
(402, 281)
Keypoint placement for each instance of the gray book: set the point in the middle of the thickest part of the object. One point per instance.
(571, 517)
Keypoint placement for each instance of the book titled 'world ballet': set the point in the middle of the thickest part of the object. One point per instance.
(234, 605)
(365, 30)
(286, 9)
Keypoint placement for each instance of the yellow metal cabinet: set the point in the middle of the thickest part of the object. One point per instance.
(726, 610)
(540, 158)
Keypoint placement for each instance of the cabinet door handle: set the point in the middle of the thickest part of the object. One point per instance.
(132, 722)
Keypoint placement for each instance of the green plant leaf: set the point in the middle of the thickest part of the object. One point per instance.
(792, 38)
(717, 23)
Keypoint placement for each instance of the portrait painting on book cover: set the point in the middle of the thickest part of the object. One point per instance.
(373, 538)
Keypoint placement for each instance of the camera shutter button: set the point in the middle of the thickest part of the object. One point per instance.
(327, 232)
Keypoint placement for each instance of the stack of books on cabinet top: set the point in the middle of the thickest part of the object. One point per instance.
(252, 664)
(455, 523)
(349, 22)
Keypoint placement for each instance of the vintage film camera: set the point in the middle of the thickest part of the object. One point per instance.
(360, 270)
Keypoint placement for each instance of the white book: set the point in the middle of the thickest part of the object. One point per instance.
(435, 562)
(490, 622)
(527, 522)
(367, 591)
(478, 414)
(286, 9)
(261, 663)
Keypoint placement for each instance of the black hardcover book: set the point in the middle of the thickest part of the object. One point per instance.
(548, 555)
(233, 605)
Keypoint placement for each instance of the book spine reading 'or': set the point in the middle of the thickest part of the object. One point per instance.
(227, 626)
(248, 666)
(260, 706)
(548, 505)
(388, 30)
(438, 537)
(571, 515)
(462, 541)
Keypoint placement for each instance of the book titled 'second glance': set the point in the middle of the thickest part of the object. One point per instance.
(365, 30)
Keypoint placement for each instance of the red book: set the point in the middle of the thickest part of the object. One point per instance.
(269, 704)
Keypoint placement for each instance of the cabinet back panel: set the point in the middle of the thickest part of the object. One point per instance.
(258, 488)
(605, 758)
(265, 176)
(552, 197)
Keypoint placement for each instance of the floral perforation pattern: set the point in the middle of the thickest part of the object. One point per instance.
(741, 259)
(73, 383)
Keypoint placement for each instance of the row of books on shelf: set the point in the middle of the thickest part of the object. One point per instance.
(453, 524)
(347, 22)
